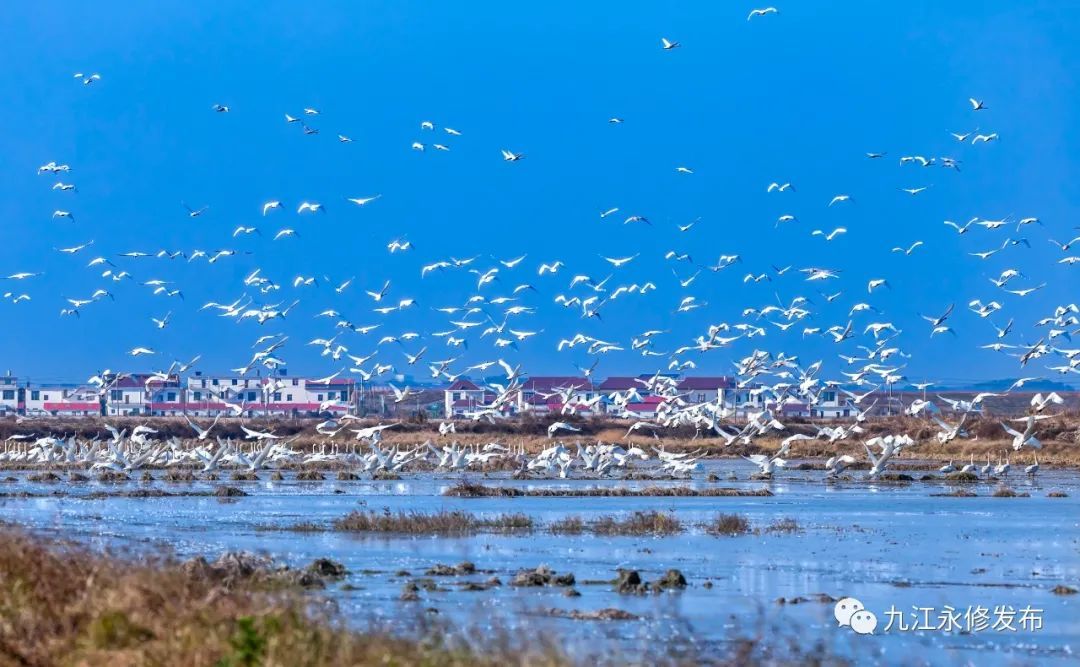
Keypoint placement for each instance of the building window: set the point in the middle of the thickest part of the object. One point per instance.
(277, 396)
(700, 397)
(171, 396)
(318, 397)
(34, 395)
(251, 396)
(234, 382)
(198, 396)
(214, 382)
(295, 383)
(116, 394)
(288, 397)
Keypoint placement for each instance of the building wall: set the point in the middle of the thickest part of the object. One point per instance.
(9, 394)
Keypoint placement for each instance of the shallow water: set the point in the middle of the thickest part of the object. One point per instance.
(886, 544)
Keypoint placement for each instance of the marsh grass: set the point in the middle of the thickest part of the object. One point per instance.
(457, 522)
(728, 524)
(445, 522)
(956, 493)
(571, 525)
(63, 604)
(784, 525)
(465, 489)
(1006, 492)
(648, 522)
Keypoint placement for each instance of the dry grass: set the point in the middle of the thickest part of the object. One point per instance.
(728, 524)
(785, 525)
(450, 523)
(465, 489)
(1060, 434)
(435, 523)
(1006, 492)
(639, 523)
(571, 525)
(62, 604)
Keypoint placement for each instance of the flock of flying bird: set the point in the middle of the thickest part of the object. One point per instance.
(261, 449)
(506, 294)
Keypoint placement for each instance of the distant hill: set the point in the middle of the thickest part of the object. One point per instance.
(1002, 385)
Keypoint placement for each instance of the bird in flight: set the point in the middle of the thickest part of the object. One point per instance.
(754, 13)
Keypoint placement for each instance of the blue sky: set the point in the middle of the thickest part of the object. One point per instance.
(797, 97)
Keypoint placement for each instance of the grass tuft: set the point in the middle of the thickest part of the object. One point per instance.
(445, 522)
(784, 525)
(639, 523)
(728, 524)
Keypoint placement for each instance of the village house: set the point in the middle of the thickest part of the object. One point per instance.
(544, 394)
(165, 398)
(279, 395)
(831, 404)
(60, 400)
(128, 397)
(708, 389)
(643, 408)
(11, 399)
(464, 397)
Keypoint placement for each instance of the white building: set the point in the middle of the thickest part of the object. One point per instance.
(10, 395)
(831, 405)
(207, 395)
(62, 400)
(545, 394)
(464, 397)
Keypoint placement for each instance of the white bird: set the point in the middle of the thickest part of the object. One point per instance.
(668, 44)
(311, 206)
(831, 235)
(561, 426)
(360, 201)
(762, 12)
(1040, 402)
(1027, 437)
(618, 262)
(195, 212)
(837, 464)
(909, 249)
